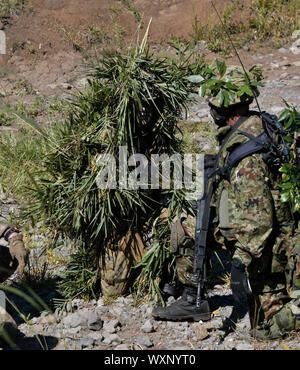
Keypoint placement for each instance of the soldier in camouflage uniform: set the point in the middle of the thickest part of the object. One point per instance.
(254, 226)
(12, 259)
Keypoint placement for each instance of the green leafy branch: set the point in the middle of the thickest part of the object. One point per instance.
(290, 185)
(215, 83)
(291, 118)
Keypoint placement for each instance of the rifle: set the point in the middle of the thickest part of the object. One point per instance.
(203, 222)
(205, 212)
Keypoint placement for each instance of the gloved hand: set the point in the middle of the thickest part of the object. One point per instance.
(239, 281)
(18, 251)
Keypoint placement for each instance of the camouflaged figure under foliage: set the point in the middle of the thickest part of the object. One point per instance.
(254, 226)
(15, 257)
(117, 263)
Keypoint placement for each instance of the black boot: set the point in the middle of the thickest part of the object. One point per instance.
(184, 309)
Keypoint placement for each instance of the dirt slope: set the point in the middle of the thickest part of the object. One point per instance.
(48, 25)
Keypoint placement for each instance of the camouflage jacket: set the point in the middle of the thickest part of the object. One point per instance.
(248, 206)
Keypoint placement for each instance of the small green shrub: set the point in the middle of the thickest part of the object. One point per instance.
(214, 34)
(273, 18)
(20, 157)
(5, 119)
(266, 19)
(9, 7)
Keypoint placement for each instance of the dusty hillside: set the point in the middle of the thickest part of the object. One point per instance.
(44, 40)
(47, 24)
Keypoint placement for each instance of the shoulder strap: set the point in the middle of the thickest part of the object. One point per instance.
(254, 145)
(274, 153)
(234, 128)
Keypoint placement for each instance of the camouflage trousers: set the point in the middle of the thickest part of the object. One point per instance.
(274, 279)
(117, 262)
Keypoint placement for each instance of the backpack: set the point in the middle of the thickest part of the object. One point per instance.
(271, 142)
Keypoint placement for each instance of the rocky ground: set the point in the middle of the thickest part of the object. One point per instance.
(123, 324)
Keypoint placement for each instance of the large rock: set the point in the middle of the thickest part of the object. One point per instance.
(148, 327)
(94, 322)
(73, 320)
(295, 48)
(296, 34)
(144, 341)
(111, 326)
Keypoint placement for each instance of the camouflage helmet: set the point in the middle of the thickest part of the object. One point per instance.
(236, 75)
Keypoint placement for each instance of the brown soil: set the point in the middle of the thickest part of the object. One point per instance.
(43, 29)
(43, 41)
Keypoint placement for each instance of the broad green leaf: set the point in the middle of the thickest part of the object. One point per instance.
(286, 185)
(285, 168)
(296, 205)
(221, 67)
(220, 97)
(195, 78)
(247, 90)
(226, 98)
(202, 90)
(289, 123)
(288, 139)
(232, 95)
(212, 82)
(256, 83)
(209, 71)
(284, 115)
(285, 197)
(231, 86)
